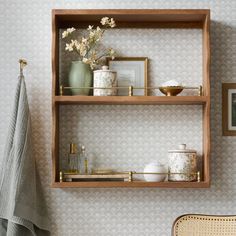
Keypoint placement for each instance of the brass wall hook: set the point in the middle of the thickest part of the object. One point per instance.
(23, 63)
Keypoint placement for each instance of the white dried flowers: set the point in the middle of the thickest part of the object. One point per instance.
(67, 32)
(87, 47)
(107, 21)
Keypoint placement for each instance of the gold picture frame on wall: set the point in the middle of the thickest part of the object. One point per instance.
(229, 109)
(131, 71)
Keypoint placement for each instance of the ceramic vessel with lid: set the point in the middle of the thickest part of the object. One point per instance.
(104, 78)
(182, 160)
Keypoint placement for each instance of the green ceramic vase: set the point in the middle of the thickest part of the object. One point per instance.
(80, 75)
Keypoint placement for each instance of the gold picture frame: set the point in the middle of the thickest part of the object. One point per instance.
(131, 71)
(229, 109)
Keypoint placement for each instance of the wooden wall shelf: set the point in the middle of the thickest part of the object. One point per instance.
(135, 184)
(135, 100)
(127, 18)
(133, 19)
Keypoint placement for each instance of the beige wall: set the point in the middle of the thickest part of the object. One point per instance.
(25, 31)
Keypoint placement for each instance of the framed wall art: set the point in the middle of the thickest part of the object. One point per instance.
(131, 71)
(229, 109)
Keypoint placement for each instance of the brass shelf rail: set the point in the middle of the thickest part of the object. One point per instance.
(130, 89)
(132, 173)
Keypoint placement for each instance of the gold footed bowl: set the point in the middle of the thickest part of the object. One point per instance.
(171, 90)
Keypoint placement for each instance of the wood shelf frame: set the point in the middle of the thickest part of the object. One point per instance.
(134, 184)
(133, 18)
(132, 100)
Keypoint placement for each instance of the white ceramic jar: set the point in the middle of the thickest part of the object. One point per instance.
(104, 78)
(182, 160)
(155, 167)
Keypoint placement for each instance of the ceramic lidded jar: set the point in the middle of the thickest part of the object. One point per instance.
(182, 160)
(155, 167)
(104, 78)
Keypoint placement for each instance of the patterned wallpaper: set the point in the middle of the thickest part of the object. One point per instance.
(129, 137)
(26, 32)
(174, 54)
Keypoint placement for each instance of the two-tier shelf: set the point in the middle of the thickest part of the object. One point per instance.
(199, 19)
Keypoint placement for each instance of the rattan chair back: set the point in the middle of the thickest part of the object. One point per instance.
(204, 225)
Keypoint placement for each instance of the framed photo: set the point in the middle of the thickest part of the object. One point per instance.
(131, 71)
(229, 109)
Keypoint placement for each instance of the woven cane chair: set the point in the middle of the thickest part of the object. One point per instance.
(204, 225)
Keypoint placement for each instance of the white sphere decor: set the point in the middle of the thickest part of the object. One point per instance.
(155, 167)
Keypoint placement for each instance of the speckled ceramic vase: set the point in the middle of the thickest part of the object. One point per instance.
(80, 75)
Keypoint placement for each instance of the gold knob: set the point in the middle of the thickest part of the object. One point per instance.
(130, 176)
(198, 176)
(131, 89)
(61, 176)
(200, 93)
(61, 90)
(73, 148)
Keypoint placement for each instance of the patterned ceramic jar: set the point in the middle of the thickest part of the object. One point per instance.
(182, 160)
(104, 78)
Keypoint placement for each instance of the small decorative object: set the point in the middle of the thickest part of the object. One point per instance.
(131, 71)
(183, 162)
(229, 109)
(84, 161)
(115, 176)
(90, 54)
(73, 166)
(171, 88)
(155, 167)
(103, 171)
(104, 78)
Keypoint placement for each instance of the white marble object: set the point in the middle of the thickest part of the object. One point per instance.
(155, 167)
(171, 83)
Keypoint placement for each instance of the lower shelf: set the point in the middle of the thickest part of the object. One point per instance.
(134, 184)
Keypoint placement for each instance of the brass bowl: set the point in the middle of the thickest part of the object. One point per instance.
(171, 90)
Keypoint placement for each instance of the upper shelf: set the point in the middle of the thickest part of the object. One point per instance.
(138, 100)
(148, 18)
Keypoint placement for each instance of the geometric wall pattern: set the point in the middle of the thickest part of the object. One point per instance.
(128, 137)
(26, 32)
(174, 54)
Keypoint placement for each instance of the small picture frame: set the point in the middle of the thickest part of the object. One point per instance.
(229, 109)
(131, 71)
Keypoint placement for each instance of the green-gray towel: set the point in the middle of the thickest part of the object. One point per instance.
(22, 207)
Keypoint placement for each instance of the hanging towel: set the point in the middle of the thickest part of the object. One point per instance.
(22, 207)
